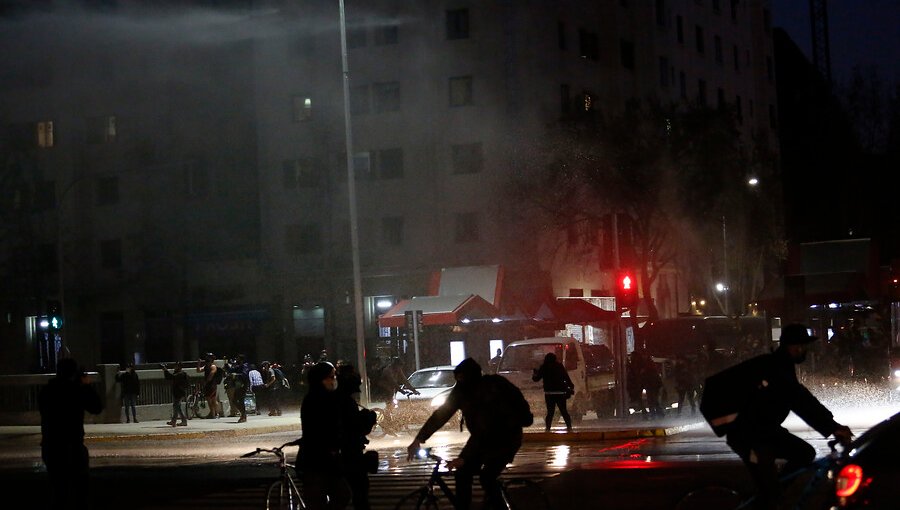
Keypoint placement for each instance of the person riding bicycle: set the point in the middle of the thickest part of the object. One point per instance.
(494, 411)
(770, 392)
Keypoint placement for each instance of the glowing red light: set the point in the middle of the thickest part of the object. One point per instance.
(848, 480)
(626, 282)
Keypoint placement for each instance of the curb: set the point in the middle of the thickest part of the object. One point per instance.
(193, 434)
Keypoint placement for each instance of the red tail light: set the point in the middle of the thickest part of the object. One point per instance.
(848, 480)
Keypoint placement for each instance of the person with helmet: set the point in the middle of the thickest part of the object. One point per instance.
(495, 411)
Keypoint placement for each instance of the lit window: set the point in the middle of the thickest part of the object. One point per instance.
(45, 134)
(302, 108)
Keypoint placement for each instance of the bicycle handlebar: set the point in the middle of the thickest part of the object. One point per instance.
(277, 450)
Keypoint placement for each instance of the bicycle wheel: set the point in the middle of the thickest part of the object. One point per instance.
(713, 497)
(524, 494)
(421, 499)
(283, 496)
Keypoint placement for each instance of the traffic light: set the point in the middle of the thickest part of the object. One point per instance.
(626, 290)
(54, 315)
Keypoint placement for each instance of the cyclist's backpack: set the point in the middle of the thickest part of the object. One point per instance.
(726, 392)
(512, 403)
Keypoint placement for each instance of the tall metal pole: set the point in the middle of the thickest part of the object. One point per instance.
(726, 290)
(354, 227)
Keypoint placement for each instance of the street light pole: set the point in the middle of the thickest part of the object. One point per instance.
(354, 226)
(725, 266)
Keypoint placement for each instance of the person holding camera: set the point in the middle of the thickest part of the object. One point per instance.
(179, 380)
(62, 403)
(357, 422)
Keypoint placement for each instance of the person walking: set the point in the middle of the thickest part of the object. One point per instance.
(180, 385)
(240, 381)
(256, 386)
(685, 384)
(558, 388)
(494, 411)
(131, 389)
(271, 388)
(62, 404)
(750, 401)
(319, 456)
(212, 376)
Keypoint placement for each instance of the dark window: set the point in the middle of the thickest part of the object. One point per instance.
(773, 118)
(461, 91)
(467, 228)
(565, 98)
(101, 129)
(305, 238)
(770, 69)
(720, 98)
(767, 21)
(387, 97)
(111, 254)
(698, 34)
(717, 47)
(47, 261)
(576, 292)
(701, 92)
(664, 72)
(661, 13)
(196, 179)
(299, 173)
(356, 36)
(734, 4)
(467, 158)
(717, 6)
(392, 230)
(362, 166)
(626, 49)
(107, 190)
(45, 196)
(737, 58)
(561, 35)
(739, 110)
(390, 162)
(588, 45)
(458, 24)
(679, 29)
(682, 83)
(359, 100)
(387, 34)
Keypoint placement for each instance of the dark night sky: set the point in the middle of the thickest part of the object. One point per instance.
(862, 32)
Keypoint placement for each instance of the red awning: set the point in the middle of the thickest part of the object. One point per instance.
(573, 311)
(438, 310)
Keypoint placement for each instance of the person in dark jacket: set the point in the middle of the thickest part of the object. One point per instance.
(240, 381)
(755, 433)
(131, 388)
(494, 411)
(357, 423)
(558, 388)
(180, 385)
(62, 403)
(319, 457)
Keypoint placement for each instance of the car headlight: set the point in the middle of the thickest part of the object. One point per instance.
(438, 400)
(897, 373)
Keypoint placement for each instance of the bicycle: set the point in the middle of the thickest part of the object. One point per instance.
(283, 493)
(197, 406)
(805, 495)
(517, 493)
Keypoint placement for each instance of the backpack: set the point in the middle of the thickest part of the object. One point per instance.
(726, 392)
(512, 402)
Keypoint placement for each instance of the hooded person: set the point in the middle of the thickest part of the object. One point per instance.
(494, 411)
(761, 392)
(324, 429)
(558, 387)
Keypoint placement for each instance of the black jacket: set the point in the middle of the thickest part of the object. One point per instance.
(131, 383)
(773, 391)
(321, 419)
(179, 383)
(556, 378)
(62, 404)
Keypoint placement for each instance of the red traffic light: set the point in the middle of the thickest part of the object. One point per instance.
(626, 282)
(626, 290)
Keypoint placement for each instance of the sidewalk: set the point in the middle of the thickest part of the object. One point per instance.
(587, 430)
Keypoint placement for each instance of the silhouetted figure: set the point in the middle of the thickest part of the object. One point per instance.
(319, 457)
(494, 411)
(494, 363)
(212, 376)
(685, 384)
(239, 371)
(357, 422)
(558, 388)
(180, 385)
(63, 402)
(131, 389)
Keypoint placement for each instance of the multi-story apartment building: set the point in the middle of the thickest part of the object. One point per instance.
(188, 168)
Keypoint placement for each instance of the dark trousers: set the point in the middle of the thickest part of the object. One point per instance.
(178, 409)
(68, 468)
(237, 399)
(487, 476)
(759, 449)
(554, 401)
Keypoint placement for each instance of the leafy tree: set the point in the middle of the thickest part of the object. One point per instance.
(672, 176)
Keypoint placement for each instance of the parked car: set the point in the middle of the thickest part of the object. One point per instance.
(413, 403)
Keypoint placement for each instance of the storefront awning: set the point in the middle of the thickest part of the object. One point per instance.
(572, 311)
(439, 310)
